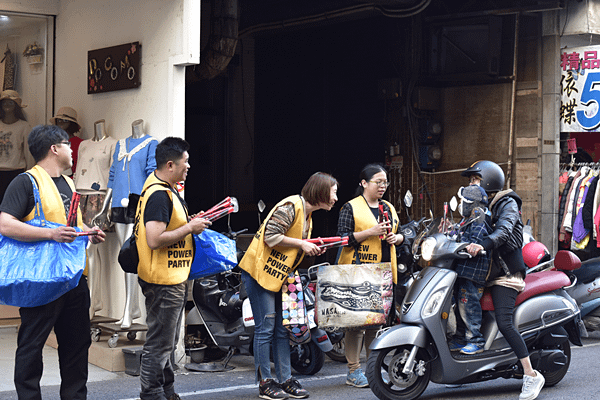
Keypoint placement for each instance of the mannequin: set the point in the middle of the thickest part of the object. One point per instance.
(91, 179)
(14, 129)
(133, 161)
(66, 118)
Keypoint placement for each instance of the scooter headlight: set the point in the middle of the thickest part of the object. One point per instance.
(434, 303)
(427, 248)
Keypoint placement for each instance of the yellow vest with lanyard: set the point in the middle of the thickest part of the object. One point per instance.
(52, 202)
(369, 250)
(270, 266)
(168, 265)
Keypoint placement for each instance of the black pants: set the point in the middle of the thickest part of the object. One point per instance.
(504, 305)
(69, 316)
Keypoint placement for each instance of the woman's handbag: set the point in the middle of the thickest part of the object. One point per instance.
(215, 253)
(293, 309)
(353, 295)
(36, 273)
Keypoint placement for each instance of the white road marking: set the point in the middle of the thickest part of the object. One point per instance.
(243, 387)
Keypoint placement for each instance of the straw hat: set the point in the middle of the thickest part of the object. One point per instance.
(66, 113)
(12, 95)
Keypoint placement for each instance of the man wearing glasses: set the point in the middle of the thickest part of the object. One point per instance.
(69, 314)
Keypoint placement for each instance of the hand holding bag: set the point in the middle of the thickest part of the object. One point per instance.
(36, 273)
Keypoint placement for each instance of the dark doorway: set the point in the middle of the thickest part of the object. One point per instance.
(316, 109)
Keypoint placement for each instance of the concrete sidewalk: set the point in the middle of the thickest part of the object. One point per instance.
(51, 375)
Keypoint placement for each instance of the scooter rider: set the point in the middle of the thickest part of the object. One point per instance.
(508, 268)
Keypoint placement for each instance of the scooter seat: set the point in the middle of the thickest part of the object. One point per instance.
(536, 283)
(568, 261)
(589, 270)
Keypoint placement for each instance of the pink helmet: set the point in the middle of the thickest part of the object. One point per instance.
(535, 253)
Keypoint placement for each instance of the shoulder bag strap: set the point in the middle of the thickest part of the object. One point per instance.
(39, 211)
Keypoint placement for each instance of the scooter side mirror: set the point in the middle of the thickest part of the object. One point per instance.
(453, 203)
(408, 199)
(235, 204)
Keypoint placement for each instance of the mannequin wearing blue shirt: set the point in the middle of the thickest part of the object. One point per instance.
(133, 162)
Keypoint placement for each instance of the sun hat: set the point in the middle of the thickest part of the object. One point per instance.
(66, 113)
(12, 95)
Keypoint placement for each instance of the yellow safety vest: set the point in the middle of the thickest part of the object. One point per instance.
(369, 250)
(168, 265)
(52, 202)
(270, 266)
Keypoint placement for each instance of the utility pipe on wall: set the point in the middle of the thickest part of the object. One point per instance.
(511, 134)
(222, 41)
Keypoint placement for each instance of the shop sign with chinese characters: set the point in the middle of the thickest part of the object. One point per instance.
(114, 68)
(580, 89)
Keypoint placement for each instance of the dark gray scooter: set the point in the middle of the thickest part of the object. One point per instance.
(405, 357)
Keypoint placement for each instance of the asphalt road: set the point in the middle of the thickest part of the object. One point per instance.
(581, 383)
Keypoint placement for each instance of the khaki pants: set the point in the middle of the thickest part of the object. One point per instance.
(353, 341)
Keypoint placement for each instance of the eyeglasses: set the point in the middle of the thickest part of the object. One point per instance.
(59, 120)
(381, 183)
(65, 143)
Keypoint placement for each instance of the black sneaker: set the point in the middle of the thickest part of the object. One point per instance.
(174, 396)
(270, 390)
(294, 389)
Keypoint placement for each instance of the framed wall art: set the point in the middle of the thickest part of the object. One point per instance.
(114, 68)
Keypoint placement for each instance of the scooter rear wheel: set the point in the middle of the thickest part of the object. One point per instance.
(307, 358)
(552, 378)
(386, 379)
(339, 351)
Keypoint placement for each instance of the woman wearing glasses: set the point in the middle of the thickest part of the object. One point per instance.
(373, 242)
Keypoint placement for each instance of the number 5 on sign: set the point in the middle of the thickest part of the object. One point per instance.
(590, 97)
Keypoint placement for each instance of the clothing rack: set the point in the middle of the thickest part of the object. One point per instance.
(573, 165)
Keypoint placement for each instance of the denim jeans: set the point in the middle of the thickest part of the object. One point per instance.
(164, 311)
(469, 324)
(268, 330)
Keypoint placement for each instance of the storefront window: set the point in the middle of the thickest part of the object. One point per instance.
(26, 65)
(26, 55)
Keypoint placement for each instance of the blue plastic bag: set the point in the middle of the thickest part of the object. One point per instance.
(215, 253)
(36, 273)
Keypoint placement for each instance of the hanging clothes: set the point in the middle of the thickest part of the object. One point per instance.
(580, 237)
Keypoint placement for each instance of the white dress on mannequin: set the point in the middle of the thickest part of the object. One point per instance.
(91, 178)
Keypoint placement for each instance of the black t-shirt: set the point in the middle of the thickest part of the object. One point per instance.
(19, 200)
(159, 207)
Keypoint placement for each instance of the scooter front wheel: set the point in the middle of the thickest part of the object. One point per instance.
(386, 378)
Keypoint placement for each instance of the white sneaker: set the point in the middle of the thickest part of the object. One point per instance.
(532, 386)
